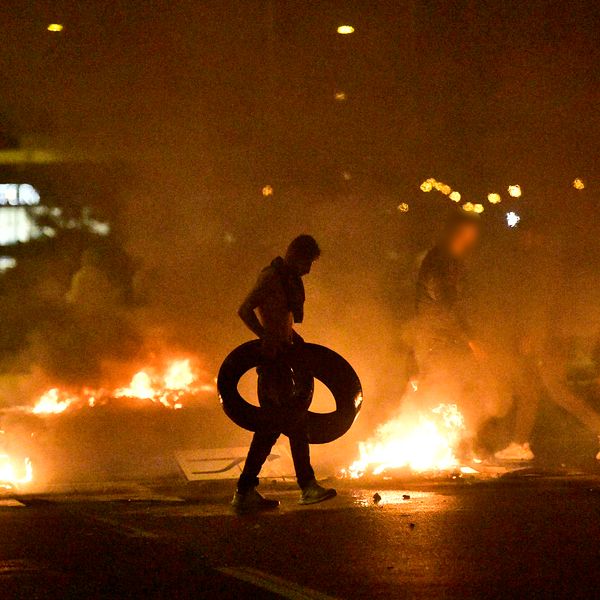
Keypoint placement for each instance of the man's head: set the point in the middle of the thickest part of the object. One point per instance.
(302, 253)
(461, 233)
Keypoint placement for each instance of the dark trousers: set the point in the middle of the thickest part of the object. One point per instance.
(274, 392)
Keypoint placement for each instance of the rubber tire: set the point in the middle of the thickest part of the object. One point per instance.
(317, 361)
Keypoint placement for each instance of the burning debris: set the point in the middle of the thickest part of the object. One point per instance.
(419, 442)
(167, 389)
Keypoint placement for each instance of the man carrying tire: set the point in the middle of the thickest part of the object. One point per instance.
(278, 298)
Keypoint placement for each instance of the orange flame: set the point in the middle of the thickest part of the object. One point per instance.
(10, 476)
(419, 442)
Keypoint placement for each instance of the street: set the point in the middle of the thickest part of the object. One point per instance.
(508, 538)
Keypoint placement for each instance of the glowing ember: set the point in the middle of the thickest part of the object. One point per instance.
(423, 442)
(478, 208)
(494, 198)
(10, 476)
(512, 219)
(578, 184)
(53, 402)
(455, 196)
(403, 207)
(426, 186)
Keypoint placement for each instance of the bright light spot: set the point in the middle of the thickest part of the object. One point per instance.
(468, 206)
(578, 184)
(10, 476)
(445, 189)
(494, 198)
(512, 219)
(52, 402)
(514, 191)
(55, 27)
(267, 191)
(7, 262)
(403, 207)
(426, 186)
(455, 196)
(478, 208)
(421, 442)
(345, 29)
(346, 175)
(340, 96)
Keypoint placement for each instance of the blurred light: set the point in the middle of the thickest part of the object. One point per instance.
(426, 186)
(55, 27)
(345, 29)
(512, 219)
(7, 262)
(478, 208)
(455, 197)
(494, 198)
(445, 189)
(340, 96)
(403, 207)
(346, 175)
(514, 191)
(578, 184)
(438, 185)
(468, 206)
(267, 191)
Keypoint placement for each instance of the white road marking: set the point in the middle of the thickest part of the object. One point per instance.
(271, 583)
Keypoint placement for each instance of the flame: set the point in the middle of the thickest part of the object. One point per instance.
(178, 380)
(425, 442)
(9, 475)
(167, 389)
(52, 402)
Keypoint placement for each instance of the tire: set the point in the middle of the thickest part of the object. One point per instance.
(308, 361)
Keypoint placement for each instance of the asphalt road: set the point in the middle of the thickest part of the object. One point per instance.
(521, 538)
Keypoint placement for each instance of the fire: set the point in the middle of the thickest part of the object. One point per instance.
(167, 388)
(425, 442)
(52, 402)
(10, 477)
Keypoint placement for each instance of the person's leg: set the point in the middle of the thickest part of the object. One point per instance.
(301, 456)
(260, 448)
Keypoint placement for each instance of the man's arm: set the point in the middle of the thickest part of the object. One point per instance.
(254, 299)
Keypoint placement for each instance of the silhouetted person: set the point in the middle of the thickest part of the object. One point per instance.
(446, 356)
(278, 298)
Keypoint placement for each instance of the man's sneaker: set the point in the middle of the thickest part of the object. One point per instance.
(314, 493)
(252, 501)
(515, 452)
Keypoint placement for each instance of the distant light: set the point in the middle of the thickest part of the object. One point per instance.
(446, 190)
(578, 184)
(468, 206)
(346, 175)
(403, 207)
(426, 186)
(7, 262)
(340, 96)
(55, 27)
(512, 219)
(267, 191)
(478, 208)
(515, 191)
(455, 196)
(345, 29)
(494, 198)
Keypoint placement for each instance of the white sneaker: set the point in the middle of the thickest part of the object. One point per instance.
(515, 452)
